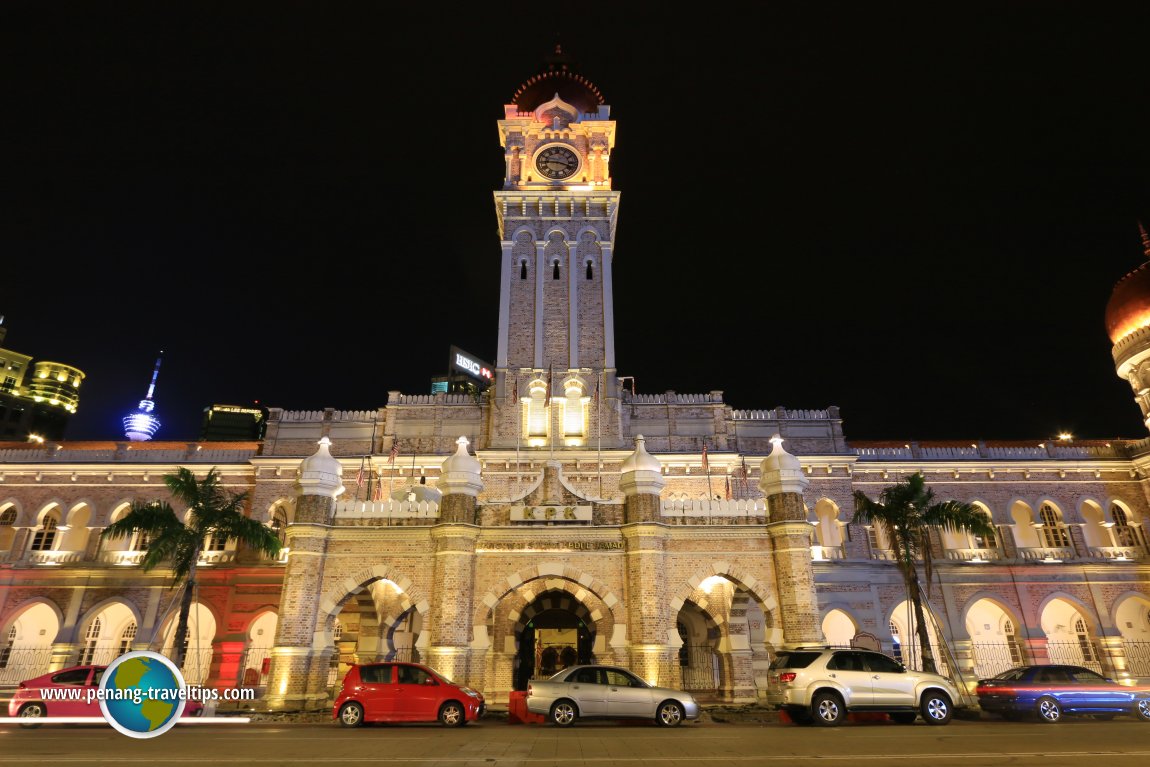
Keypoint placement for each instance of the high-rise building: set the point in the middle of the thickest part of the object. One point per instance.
(228, 423)
(36, 398)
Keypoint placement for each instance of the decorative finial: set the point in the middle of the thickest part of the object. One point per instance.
(1145, 240)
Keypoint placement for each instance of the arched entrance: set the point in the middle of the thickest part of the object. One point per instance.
(377, 623)
(994, 638)
(1133, 621)
(1070, 638)
(107, 634)
(839, 628)
(200, 642)
(26, 643)
(257, 650)
(699, 655)
(554, 631)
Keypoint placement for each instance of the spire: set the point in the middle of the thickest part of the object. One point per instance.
(1145, 240)
(140, 425)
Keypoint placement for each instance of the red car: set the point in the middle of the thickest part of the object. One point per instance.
(404, 692)
(72, 692)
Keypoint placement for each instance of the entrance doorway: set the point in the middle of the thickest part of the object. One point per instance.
(557, 632)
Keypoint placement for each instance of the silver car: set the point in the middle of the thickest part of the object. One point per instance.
(607, 692)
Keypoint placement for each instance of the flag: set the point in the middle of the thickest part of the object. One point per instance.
(706, 463)
(377, 491)
(515, 391)
(744, 474)
(391, 456)
(547, 396)
(728, 481)
(359, 475)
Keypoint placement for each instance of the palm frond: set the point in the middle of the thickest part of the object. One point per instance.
(154, 518)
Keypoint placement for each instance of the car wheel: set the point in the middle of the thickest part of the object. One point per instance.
(564, 713)
(451, 715)
(32, 711)
(670, 714)
(1142, 710)
(828, 709)
(904, 717)
(351, 715)
(1049, 710)
(936, 707)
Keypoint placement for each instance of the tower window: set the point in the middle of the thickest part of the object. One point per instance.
(555, 269)
(590, 270)
(523, 269)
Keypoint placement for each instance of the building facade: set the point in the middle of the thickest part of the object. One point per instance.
(36, 398)
(560, 517)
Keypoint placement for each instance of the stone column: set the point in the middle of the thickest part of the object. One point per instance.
(653, 641)
(297, 664)
(449, 619)
(782, 483)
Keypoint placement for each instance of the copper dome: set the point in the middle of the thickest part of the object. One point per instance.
(1129, 305)
(558, 77)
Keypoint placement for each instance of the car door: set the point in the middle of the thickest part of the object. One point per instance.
(417, 694)
(627, 696)
(377, 692)
(891, 685)
(849, 670)
(71, 693)
(588, 688)
(93, 685)
(1092, 690)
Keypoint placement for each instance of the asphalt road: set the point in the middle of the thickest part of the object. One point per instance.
(496, 744)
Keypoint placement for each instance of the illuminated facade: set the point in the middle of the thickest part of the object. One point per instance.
(562, 516)
(36, 398)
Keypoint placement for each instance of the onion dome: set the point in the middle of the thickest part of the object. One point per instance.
(641, 473)
(1129, 306)
(558, 79)
(320, 472)
(781, 472)
(460, 474)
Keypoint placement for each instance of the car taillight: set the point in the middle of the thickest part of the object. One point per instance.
(528, 689)
(787, 677)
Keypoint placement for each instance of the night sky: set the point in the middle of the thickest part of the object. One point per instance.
(916, 215)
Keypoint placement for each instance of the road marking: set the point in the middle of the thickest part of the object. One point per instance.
(932, 757)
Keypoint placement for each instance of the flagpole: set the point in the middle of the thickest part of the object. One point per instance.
(551, 410)
(518, 426)
(370, 451)
(707, 468)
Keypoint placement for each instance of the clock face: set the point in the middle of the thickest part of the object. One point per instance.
(557, 162)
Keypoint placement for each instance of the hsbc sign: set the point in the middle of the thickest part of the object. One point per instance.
(464, 362)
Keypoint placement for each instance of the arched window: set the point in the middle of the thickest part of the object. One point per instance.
(215, 541)
(1054, 533)
(90, 639)
(1125, 534)
(555, 269)
(1084, 643)
(573, 426)
(127, 636)
(537, 410)
(590, 269)
(45, 536)
(896, 642)
(6, 648)
(8, 517)
(139, 541)
(523, 269)
(987, 541)
(278, 523)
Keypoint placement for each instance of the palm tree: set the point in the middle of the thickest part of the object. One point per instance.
(905, 512)
(211, 511)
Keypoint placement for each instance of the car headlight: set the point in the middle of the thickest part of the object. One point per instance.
(471, 692)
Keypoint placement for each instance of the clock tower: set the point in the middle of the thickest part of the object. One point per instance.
(555, 366)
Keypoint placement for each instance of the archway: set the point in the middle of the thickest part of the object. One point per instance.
(257, 650)
(553, 632)
(1132, 616)
(1069, 635)
(839, 628)
(699, 656)
(993, 636)
(26, 643)
(200, 639)
(106, 634)
(376, 623)
(905, 644)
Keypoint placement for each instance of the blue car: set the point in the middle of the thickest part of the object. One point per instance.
(1048, 692)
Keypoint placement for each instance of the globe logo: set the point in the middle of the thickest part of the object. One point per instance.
(142, 694)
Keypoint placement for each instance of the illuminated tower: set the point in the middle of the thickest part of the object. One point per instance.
(140, 425)
(557, 214)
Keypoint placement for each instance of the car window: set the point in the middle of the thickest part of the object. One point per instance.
(794, 659)
(375, 674)
(1013, 675)
(846, 661)
(412, 675)
(587, 676)
(620, 679)
(882, 663)
(97, 677)
(72, 676)
(1052, 676)
(1086, 676)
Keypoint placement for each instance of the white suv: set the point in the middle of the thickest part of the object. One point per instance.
(823, 684)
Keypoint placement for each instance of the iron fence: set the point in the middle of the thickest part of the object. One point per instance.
(992, 658)
(1080, 653)
(254, 667)
(699, 665)
(1137, 657)
(20, 663)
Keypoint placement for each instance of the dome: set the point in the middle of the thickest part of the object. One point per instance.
(641, 460)
(1129, 305)
(558, 79)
